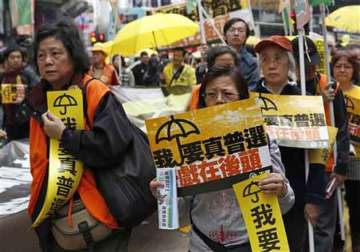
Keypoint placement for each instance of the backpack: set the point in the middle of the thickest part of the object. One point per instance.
(125, 187)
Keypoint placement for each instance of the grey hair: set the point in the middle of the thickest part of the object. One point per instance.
(292, 67)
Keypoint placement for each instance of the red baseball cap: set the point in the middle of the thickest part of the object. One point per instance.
(280, 41)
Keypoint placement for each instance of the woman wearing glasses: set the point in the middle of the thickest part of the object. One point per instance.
(217, 224)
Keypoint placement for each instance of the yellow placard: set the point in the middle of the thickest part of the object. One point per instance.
(210, 146)
(294, 120)
(8, 93)
(322, 156)
(65, 171)
(352, 102)
(262, 216)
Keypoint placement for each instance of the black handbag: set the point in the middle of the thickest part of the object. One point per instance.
(125, 187)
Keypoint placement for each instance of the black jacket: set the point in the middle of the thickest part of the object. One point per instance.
(342, 137)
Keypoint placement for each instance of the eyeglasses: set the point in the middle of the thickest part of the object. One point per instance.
(276, 59)
(225, 95)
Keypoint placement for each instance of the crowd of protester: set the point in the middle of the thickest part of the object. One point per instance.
(225, 73)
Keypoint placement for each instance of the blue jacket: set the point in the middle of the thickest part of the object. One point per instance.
(249, 68)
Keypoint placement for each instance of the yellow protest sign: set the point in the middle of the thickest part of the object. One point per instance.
(210, 148)
(294, 120)
(322, 156)
(319, 43)
(352, 102)
(262, 216)
(8, 93)
(65, 171)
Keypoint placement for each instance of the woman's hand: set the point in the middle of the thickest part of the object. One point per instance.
(154, 186)
(328, 93)
(53, 126)
(274, 183)
(3, 134)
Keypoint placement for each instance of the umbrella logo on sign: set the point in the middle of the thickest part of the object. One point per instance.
(63, 102)
(176, 129)
(267, 104)
(252, 190)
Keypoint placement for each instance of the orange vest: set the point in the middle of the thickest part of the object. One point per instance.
(194, 101)
(108, 75)
(322, 85)
(89, 194)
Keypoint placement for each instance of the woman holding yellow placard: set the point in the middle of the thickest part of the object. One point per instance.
(217, 223)
(96, 144)
(346, 71)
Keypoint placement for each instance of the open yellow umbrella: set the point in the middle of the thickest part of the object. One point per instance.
(346, 18)
(153, 32)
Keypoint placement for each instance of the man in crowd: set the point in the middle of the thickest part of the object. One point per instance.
(236, 31)
(142, 71)
(100, 70)
(22, 78)
(177, 73)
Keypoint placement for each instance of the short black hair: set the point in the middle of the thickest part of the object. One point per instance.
(143, 53)
(180, 49)
(219, 71)
(232, 21)
(65, 31)
(14, 48)
(216, 51)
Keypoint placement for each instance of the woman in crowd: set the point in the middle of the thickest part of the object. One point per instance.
(278, 68)
(223, 85)
(216, 56)
(62, 62)
(127, 78)
(345, 69)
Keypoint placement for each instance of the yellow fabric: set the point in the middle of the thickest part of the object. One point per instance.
(346, 18)
(186, 78)
(153, 32)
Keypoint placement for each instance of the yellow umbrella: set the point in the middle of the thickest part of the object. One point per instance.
(346, 18)
(153, 32)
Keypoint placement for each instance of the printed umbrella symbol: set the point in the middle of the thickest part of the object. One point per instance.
(176, 128)
(267, 104)
(64, 101)
(252, 189)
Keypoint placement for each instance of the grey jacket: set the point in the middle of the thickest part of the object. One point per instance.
(217, 214)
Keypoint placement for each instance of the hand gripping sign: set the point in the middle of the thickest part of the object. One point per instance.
(65, 171)
(262, 216)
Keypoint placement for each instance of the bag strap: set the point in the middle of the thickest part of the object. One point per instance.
(85, 232)
(176, 75)
(84, 91)
(214, 246)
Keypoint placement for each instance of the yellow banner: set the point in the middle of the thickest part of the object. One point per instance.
(352, 102)
(212, 7)
(210, 148)
(262, 216)
(8, 93)
(322, 156)
(65, 171)
(294, 120)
